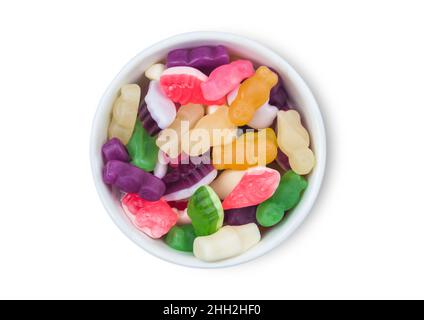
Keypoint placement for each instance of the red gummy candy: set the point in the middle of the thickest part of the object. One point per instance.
(180, 205)
(155, 218)
(256, 185)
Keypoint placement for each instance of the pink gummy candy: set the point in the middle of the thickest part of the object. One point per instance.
(256, 185)
(226, 78)
(182, 85)
(155, 218)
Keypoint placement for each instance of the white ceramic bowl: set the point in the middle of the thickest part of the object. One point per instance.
(300, 95)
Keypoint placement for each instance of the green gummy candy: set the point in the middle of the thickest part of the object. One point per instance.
(142, 148)
(205, 211)
(181, 238)
(287, 195)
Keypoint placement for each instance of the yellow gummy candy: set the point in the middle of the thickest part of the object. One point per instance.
(293, 140)
(249, 150)
(124, 113)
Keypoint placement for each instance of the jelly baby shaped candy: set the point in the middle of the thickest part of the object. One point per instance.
(124, 113)
(248, 150)
(283, 161)
(256, 185)
(155, 71)
(293, 140)
(149, 124)
(182, 85)
(142, 149)
(169, 139)
(278, 95)
(228, 242)
(212, 130)
(226, 78)
(155, 218)
(264, 115)
(114, 150)
(129, 178)
(160, 107)
(182, 181)
(287, 195)
(240, 216)
(226, 182)
(204, 58)
(205, 211)
(181, 238)
(161, 167)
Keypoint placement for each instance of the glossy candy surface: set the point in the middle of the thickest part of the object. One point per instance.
(142, 149)
(226, 182)
(113, 149)
(240, 216)
(278, 96)
(155, 71)
(124, 113)
(161, 108)
(181, 238)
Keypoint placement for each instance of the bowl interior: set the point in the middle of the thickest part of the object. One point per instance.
(300, 96)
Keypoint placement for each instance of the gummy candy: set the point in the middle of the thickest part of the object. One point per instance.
(212, 108)
(287, 195)
(154, 71)
(278, 95)
(256, 185)
(282, 160)
(155, 218)
(204, 58)
(248, 150)
(160, 107)
(161, 167)
(182, 85)
(205, 211)
(182, 181)
(240, 216)
(169, 140)
(114, 150)
(124, 113)
(181, 238)
(142, 149)
(180, 207)
(252, 94)
(264, 115)
(212, 130)
(226, 78)
(293, 140)
(128, 178)
(226, 182)
(227, 242)
(149, 124)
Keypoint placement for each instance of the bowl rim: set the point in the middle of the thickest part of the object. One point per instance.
(319, 170)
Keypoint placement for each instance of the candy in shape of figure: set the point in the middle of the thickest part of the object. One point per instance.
(205, 211)
(181, 238)
(160, 107)
(226, 182)
(240, 216)
(155, 218)
(128, 178)
(282, 160)
(286, 197)
(155, 71)
(252, 94)
(113, 149)
(169, 139)
(212, 130)
(293, 140)
(182, 85)
(249, 150)
(278, 96)
(264, 115)
(142, 149)
(149, 124)
(204, 58)
(227, 242)
(226, 78)
(256, 185)
(161, 166)
(124, 113)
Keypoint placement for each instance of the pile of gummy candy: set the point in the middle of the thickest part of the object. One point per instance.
(217, 207)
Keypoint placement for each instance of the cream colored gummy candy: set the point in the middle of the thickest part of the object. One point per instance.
(154, 72)
(226, 182)
(124, 113)
(169, 139)
(227, 242)
(293, 140)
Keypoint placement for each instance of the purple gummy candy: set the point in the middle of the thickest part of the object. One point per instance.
(278, 95)
(204, 58)
(131, 179)
(283, 160)
(114, 150)
(240, 216)
(149, 124)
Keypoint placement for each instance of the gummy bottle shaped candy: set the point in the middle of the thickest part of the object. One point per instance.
(252, 94)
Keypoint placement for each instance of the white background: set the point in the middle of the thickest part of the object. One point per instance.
(364, 61)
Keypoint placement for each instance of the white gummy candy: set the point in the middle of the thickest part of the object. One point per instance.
(161, 108)
(155, 71)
